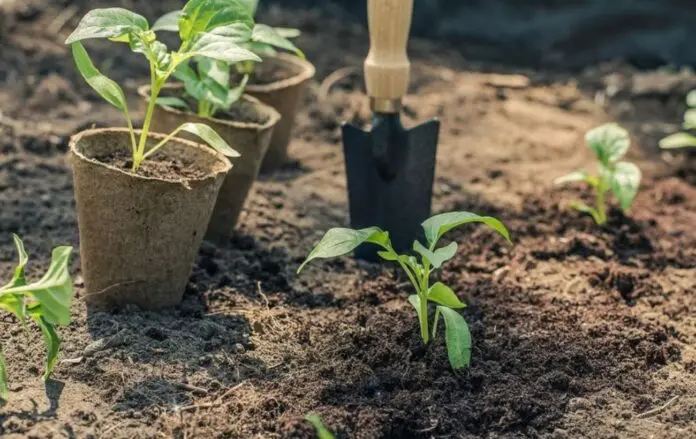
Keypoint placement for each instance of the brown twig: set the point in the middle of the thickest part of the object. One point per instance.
(658, 409)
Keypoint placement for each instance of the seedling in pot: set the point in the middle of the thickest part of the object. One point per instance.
(340, 241)
(684, 139)
(609, 143)
(208, 82)
(46, 302)
(206, 29)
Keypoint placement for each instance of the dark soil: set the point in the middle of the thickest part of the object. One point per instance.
(268, 73)
(578, 331)
(161, 166)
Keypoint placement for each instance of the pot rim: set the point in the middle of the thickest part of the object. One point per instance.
(273, 115)
(308, 71)
(224, 164)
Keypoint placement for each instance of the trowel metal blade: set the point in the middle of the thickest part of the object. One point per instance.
(397, 201)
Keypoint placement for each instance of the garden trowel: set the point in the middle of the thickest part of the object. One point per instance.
(390, 169)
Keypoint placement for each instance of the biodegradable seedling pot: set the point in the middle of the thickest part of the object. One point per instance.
(139, 233)
(285, 95)
(247, 128)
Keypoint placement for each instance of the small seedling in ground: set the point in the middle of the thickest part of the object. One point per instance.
(46, 302)
(209, 81)
(609, 143)
(208, 30)
(322, 431)
(684, 139)
(340, 241)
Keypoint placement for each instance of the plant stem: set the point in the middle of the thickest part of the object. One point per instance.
(601, 205)
(423, 293)
(155, 87)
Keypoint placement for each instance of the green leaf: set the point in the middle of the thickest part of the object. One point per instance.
(204, 15)
(4, 388)
(573, 177)
(106, 88)
(156, 52)
(220, 48)
(218, 71)
(437, 257)
(236, 93)
(457, 338)
(107, 23)
(288, 32)
(54, 291)
(340, 241)
(51, 340)
(415, 302)
(237, 32)
(691, 99)
(210, 137)
(678, 140)
(173, 102)
(252, 5)
(625, 182)
(442, 294)
(267, 35)
(169, 22)
(322, 431)
(18, 278)
(438, 225)
(609, 142)
(690, 119)
(388, 255)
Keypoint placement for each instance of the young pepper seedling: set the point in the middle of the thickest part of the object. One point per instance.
(609, 143)
(204, 28)
(340, 241)
(208, 82)
(46, 302)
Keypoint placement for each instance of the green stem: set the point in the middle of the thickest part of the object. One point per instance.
(162, 143)
(423, 292)
(601, 205)
(155, 87)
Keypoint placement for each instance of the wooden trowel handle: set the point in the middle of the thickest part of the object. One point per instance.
(387, 68)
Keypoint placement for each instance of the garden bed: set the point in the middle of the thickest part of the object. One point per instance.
(578, 331)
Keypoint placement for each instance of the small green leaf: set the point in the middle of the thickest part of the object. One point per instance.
(690, 119)
(4, 389)
(173, 102)
(678, 140)
(220, 48)
(457, 338)
(169, 22)
(625, 182)
(288, 32)
(437, 257)
(106, 88)
(204, 15)
(108, 23)
(236, 32)
(340, 241)
(236, 93)
(210, 137)
(268, 35)
(18, 278)
(322, 431)
(415, 302)
(52, 342)
(573, 177)
(438, 225)
(442, 294)
(218, 71)
(609, 142)
(388, 255)
(691, 99)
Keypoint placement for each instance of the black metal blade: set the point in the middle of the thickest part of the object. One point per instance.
(390, 172)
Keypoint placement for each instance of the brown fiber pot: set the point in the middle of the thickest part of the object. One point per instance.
(251, 140)
(139, 236)
(285, 96)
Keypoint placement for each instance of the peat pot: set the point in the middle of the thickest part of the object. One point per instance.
(248, 128)
(140, 233)
(281, 82)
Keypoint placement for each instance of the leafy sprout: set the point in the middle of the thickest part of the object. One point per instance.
(684, 139)
(340, 241)
(322, 431)
(203, 28)
(609, 143)
(46, 302)
(207, 80)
